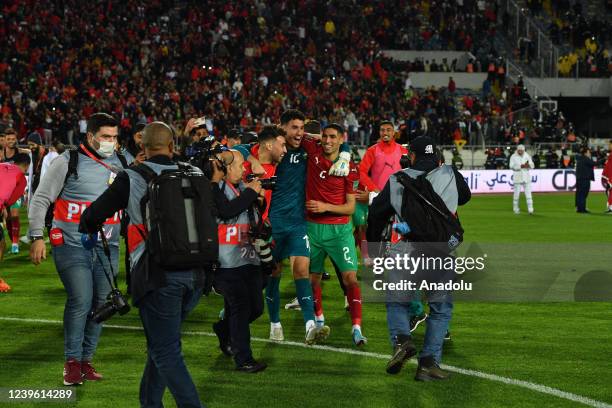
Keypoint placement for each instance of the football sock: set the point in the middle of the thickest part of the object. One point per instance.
(354, 298)
(15, 226)
(318, 300)
(304, 295)
(273, 298)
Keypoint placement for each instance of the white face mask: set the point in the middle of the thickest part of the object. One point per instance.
(106, 149)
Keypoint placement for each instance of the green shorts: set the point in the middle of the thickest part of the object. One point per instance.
(335, 241)
(17, 204)
(360, 216)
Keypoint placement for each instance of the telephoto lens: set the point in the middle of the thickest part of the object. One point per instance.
(265, 254)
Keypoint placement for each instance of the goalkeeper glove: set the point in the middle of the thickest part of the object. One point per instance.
(341, 167)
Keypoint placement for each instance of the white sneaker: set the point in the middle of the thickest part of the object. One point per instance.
(293, 305)
(15, 249)
(316, 334)
(276, 333)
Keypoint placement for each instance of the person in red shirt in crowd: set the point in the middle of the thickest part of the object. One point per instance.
(606, 177)
(12, 186)
(330, 201)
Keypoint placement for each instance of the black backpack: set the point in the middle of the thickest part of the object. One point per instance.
(427, 215)
(179, 214)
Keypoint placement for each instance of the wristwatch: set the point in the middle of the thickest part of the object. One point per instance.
(35, 238)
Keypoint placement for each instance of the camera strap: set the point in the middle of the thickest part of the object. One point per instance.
(112, 279)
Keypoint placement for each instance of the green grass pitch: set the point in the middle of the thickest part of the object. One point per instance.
(565, 346)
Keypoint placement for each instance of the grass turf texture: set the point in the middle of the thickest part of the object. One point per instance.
(561, 345)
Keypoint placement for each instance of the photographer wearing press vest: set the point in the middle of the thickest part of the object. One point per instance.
(447, 187)
(170, 254)
(239, 277)
(73, 180)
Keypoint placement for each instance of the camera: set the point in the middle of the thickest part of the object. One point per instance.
(115, 303)
(202, 153)
(267, 184)
(260, 236)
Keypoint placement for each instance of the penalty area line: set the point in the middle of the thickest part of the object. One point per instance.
(543, 389)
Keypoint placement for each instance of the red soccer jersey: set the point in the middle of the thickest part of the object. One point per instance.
(607, 171)
(320, 186)
(270, 171)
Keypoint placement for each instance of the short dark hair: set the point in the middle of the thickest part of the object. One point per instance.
(22, 158)
(269, 133)
(312, 127)
(98, 120)
(234, 133)
(290, 115)
(337, 127)
(385, 122)
(10, 131)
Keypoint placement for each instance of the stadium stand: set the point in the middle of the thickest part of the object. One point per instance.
(243, 62)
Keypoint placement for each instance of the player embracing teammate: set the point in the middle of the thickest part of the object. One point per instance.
(289, 231)
(330, 201)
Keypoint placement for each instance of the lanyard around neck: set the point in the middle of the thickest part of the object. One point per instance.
(94, 158)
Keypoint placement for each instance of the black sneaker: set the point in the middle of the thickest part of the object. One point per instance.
(416, 321)
(403, 350)
(252, 367)
(220, 330)
(447, 336)
(325, 276)
(428, 370)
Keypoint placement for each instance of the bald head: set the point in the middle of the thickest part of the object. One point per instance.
(158, 139)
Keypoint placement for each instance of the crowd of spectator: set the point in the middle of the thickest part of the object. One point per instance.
(239, 62)
(561, 156)
(590, 38)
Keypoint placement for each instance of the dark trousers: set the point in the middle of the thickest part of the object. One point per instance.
(162, 312)
(241, 289)
(582, 192)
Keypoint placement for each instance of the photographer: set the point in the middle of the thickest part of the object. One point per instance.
(239, 278)
(164, 297)
(133, 150)
(194, 133)
(447, 183)
(73, 180)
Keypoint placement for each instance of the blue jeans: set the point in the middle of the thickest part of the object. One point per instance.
(162, 312)
(398, 322)
(86, 284)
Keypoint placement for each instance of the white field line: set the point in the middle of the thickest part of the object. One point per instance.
(472, 373)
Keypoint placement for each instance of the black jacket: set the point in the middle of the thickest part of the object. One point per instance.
(584, 168)
(227, 209)
(381, 210)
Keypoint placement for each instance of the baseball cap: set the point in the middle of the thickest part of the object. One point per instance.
(34, 137)
(140, 125)
(423, 146)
